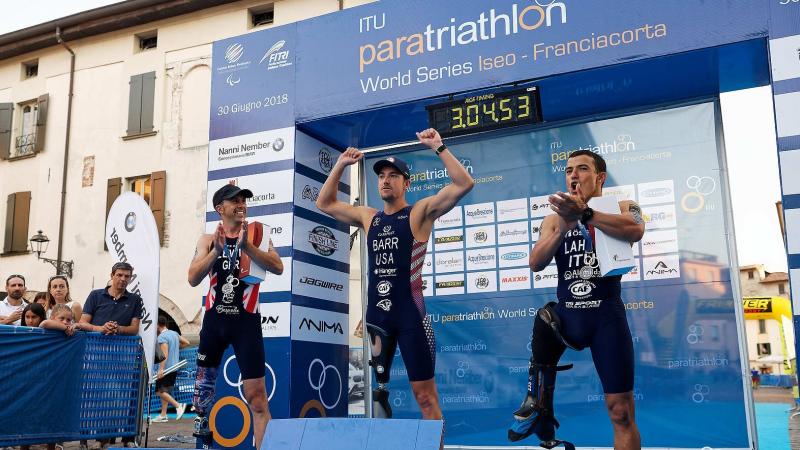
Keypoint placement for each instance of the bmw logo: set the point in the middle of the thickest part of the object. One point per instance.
(278, 145)
(130, 222)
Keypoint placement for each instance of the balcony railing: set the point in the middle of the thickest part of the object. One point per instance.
(25, 145)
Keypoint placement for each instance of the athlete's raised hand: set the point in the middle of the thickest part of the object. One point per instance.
(430, 138)
(219, 239)
(569, 207)
(350, 156)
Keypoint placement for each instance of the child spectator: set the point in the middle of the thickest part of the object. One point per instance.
(61, 318)
(33, 315)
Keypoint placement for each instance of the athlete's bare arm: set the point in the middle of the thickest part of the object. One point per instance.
(208, 249)
(356, 216)
(628, 225)
(427, 210)
(551, 234)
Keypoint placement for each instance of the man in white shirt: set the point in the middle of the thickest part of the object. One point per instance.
(11, 308)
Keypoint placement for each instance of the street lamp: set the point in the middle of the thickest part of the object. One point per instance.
(39, 244)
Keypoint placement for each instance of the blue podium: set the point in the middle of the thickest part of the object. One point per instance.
(353, 434)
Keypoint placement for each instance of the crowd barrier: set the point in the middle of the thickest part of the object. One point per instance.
(184, 382)
(777, 380)
(59, 388)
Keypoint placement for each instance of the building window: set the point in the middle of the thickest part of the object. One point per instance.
(141, 185)
(764, 349)
(30, 69)
(29, 131)
(18, 211)
(762, 326)
(152, 188)
(147, 40)
(781, 288)
(261, 15)
(750, 275)
(141, 104)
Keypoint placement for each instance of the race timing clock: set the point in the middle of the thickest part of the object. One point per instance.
(486, 112)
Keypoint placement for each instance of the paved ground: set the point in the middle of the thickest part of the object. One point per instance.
(773, 395)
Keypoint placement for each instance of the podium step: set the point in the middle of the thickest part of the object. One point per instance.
(352, 434)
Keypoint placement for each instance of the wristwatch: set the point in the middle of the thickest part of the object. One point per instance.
(587, 215)
(440, 149)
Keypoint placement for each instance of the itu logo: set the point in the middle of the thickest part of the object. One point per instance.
(234, 53)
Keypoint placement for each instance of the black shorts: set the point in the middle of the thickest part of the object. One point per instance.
(243, 332)
(166, 383)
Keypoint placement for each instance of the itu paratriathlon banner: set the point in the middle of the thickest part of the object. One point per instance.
(481, 294)
(132, 237)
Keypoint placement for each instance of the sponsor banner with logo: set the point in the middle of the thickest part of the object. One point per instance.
(306, 192)
(656, 217)
(131, 236)
(656, 192)
(449, 284)
(318, 157)
(320, 379)
(512, 233)
(263, 147)
(452, 219)
(448, 262)
(540, 206)
(513, 255)
(427, 267)
(479, 214)
(275, 319)
(279, 283)
(280, 226)
(318, 282)
(318, 325)
(657, 242)
(482, 259)
(547, 278)
(515, 279)
(481, 236)
(536, 229)
(321, 240)
(480, 282)
(516, 209)
(660, 267)
(451, 239)
(427, 287)
(642, 151)
(253, 82)
(626, 192)
(268, 189)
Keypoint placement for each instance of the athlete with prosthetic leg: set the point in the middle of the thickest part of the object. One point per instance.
(397, 240)
(589, 311)
(231, 316)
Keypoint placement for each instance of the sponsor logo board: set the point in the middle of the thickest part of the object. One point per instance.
(512, 233)
(249, 149)
(279, 283)
(275, 319)
(449, 262)
(547, 278)
(427, 286)
(452, 219)
(478, 282)
(317, 325)
(481, 236)
(479, 213)
(656, 192)
(515, 279)
(656, 217)
(513, 255)
(320, 282)
(321, 240)
(540, 207)
(635, 274)
(661, 241)
(626, 192)
(536, 229)
(516, 209)
(449, 284)
(269, 189)
(481, 259)
(661, 267)
(448, 239)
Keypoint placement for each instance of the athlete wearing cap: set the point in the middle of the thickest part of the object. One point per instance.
(397, 240)
(232, 316)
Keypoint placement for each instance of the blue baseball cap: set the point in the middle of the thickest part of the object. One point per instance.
(393, 162)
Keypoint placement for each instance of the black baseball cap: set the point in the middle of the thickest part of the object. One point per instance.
(393, 162)
(229, 191)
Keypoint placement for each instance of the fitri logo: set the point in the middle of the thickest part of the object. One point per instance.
(130, 222)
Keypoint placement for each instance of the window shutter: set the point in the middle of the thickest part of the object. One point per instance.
(22, 212)
(41, 122)
(113, 190)
(9, 223)
(135, 105)
(148, 101)
(6, 113)
(158, 194)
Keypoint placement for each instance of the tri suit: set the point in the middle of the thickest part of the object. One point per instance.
(592, 313)
(231, 317)
(395, 306)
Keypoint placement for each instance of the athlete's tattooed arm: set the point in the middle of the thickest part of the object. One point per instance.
(628, 226)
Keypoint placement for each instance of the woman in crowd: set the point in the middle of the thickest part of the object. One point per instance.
(33, 315)
(58, 293)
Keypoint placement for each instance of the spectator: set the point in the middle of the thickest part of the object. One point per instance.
(756, 378)
(61, 318)
(41, 298)
(170, 343)
(33, 315)
(114, 310)
(11, 307)
(58, 293)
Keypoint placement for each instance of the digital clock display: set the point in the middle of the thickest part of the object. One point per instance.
(486, 112)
